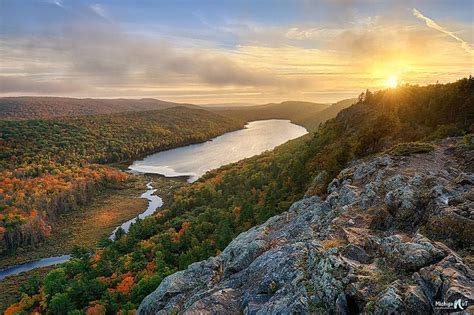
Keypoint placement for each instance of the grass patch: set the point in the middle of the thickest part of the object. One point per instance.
(405, 149)
(468, 141)
(333, 243)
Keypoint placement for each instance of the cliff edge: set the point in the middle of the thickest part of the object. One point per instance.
(393, 235)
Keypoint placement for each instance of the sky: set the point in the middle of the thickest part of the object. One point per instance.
(230, 52)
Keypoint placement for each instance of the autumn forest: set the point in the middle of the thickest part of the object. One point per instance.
(56, 165)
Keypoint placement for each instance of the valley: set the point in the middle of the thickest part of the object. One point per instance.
(200, 219)
(236, 157)
(87, 226)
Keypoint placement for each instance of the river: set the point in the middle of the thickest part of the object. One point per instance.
(193, 161)
(154, 202)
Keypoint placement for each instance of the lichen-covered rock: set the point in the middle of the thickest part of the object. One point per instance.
(378, 243)
(347, 195)
(167, 296)
(401, 199)
(389, 302)
(411, 254)
(448, 280)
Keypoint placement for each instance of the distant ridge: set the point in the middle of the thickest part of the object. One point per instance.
(306, 114)
(312, 121)
(33, 107)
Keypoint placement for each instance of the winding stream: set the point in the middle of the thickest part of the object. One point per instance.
(45, 262)
(193, 161)
(154, 202)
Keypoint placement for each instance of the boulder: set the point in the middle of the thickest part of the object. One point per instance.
(356, 253)
(410, 255)
(389, 301)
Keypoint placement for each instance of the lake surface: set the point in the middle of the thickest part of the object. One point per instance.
(194, 160)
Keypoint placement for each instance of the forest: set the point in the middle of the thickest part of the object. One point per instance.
(42, 107)
(204, 217)
(306, 114)
(53, 166)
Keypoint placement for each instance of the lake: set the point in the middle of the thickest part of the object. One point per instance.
(194, 160)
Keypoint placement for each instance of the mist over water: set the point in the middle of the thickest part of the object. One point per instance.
(195, 160)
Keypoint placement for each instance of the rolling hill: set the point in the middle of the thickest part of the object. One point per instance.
(21, 108)
(306, 114)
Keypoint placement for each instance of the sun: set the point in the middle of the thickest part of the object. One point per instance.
(392, 81)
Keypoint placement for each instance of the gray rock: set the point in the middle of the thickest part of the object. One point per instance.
(368, 196)
(347, 195)
(416, 180)
(389, 302)
(307, 203)
(243, 250)
(223, 301)
(197, 276)
(363, 170)
(410, 255)
(323, 256)
(333, 185)
(440, 195)
(401, 199)
(469, 195)
(394, 182)
(416, 302)
(447, 280)
(356, 253)
(465, 179)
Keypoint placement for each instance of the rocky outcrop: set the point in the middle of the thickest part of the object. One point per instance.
(383, 241)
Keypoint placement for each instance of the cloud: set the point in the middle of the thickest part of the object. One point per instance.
(233, 59)
(432, 24)
(99, 10)
(58, 3)
(312, 33)
(29, 85)
(103, 54)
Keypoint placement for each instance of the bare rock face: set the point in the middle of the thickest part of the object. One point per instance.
(383, 241)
